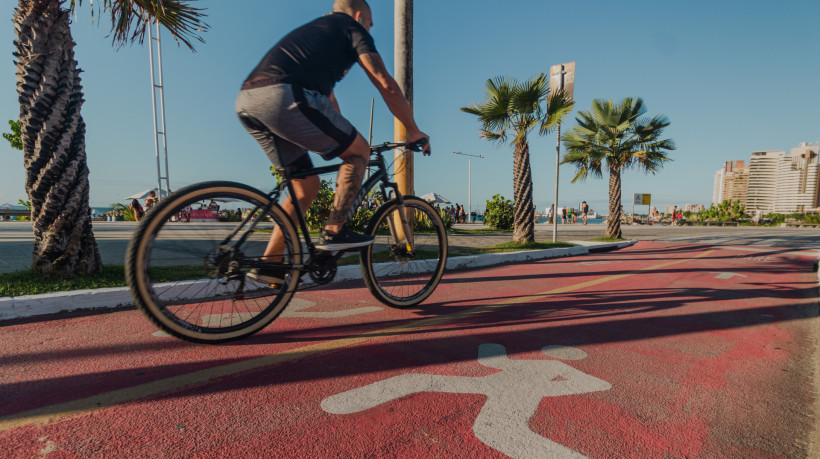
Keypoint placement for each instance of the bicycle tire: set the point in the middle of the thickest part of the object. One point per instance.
(204, 305)
(393, 276)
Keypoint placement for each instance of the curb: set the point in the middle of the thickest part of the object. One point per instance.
(114, 297)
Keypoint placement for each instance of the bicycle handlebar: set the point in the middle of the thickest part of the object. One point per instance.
(415, 146)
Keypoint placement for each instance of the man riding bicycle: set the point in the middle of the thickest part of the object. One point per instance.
(287, 104)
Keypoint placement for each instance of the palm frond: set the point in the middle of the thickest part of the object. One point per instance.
(616, 136)
(558, 107)
(131, 19)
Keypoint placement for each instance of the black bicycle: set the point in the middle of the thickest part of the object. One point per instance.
(212, 299)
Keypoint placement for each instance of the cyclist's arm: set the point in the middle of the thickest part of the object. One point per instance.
(391, 93)
(333, 101)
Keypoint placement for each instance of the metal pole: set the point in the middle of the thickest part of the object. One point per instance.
(162, 116)
(557, 163)
(370, 134)
(469, 180)
(154, 109)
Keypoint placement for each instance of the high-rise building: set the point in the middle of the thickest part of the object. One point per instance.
(763, 168)
(773, 180)
(731, 183)
(717, 191)
(796, 189)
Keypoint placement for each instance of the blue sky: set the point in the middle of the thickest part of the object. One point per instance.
(733, 77)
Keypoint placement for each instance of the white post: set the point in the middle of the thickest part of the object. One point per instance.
(469, 189)
(469, 180)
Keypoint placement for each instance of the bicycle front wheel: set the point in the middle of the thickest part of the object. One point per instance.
(187, 268)
(396, 276)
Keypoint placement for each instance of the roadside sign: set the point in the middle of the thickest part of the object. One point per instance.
(562, 76)
(642, 199)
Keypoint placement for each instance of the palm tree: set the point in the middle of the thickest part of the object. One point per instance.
(52, 128)
(516, 108)
(616, 137)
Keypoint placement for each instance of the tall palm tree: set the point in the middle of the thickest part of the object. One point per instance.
(615, 138)
(516, 108)
(52, 128)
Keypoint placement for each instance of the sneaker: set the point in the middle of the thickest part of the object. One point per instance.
(268, 275)
(344, 239)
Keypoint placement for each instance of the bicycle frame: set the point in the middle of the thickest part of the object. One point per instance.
(380, 176)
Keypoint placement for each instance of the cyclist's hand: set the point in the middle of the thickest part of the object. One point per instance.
(420, 139)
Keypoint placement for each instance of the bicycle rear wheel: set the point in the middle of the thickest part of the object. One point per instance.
(396, 277)
(190, 279)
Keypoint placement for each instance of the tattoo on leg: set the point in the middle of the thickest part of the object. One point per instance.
(348, 183)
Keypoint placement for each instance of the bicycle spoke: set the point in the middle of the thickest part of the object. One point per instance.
(195, 285)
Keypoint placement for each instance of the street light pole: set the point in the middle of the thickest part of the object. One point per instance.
(469, 179)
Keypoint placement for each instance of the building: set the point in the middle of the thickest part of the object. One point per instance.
(763, 168)
(731, 183)
(694, 208)
(717, 191)
(796, 189)
(773, 180)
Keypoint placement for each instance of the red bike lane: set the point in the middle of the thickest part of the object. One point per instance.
(656, 350)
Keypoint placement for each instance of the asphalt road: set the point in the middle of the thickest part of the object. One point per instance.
(663, 349)
(112, 238)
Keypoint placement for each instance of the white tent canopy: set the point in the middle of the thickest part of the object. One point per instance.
(435, 198)
(144, 194)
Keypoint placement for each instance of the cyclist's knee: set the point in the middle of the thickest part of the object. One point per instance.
(359, 148)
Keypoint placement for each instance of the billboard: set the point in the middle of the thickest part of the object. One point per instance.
(642, 199)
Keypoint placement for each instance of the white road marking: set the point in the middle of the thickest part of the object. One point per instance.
(513, 396)
(297, 307)
(727, 275)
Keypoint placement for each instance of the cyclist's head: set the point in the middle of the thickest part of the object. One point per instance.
(357, 9)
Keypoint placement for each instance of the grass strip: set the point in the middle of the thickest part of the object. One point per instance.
(32, 282)
(608, 239)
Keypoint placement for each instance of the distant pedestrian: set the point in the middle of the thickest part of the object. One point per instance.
(758, 214)
(674, 215)
(137, 210)
(151, 199)
(564, 215)
(584, 211)
(551, 213)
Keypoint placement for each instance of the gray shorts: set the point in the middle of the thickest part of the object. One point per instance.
(288, 120)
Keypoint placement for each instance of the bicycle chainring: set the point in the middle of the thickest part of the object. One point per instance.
(323, 268)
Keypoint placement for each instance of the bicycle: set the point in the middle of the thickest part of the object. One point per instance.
(213, 300)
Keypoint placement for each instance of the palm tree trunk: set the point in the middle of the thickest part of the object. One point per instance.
(53, 136)
(613, 223)
(523, 230)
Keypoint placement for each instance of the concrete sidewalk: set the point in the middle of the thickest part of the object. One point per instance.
(107, 298)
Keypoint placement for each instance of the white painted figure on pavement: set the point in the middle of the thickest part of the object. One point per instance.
(513, 396)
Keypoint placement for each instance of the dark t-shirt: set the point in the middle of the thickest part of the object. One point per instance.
(316, 55)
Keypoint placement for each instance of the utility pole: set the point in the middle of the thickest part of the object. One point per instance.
(403, 55)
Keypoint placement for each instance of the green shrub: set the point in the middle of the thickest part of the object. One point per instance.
(499, 213)
(319, 211)
(361, 218)
(446, 218)
(229, 216)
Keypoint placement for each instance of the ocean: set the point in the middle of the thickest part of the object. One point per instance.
(100, 210)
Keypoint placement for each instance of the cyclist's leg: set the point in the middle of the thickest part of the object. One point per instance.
(306, 190)
(348, 183)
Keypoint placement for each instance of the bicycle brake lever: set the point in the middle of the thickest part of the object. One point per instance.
(419, 145)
